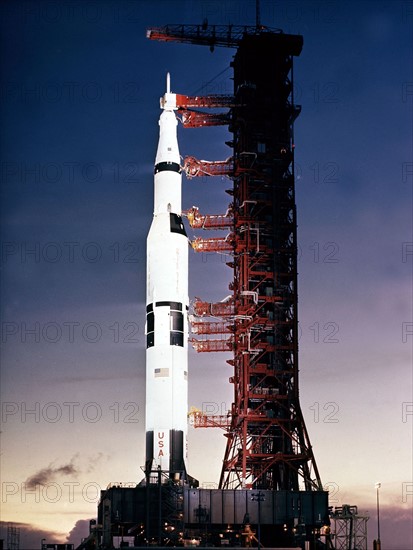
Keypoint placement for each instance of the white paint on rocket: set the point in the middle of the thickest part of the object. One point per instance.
(167, 297)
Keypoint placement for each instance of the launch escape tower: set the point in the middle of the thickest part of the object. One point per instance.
(267, 442)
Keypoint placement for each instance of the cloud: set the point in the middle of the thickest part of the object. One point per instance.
(49, 474)
(79, 532)
(395, 524)
(93, 461)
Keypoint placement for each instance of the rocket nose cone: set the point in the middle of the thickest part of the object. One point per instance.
(168, 101)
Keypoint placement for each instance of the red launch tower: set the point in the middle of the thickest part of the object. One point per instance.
(267, 441)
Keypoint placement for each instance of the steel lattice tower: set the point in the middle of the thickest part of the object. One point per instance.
(268, 445)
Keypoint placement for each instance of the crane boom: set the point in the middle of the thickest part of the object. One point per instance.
(228, 36)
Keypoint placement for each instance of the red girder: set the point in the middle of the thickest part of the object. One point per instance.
(211, 421)
(260, 392)
(208, 309)
(194, 167)
(227, 308)
(207, 101)
(211, 345)
(214, 244)
(206, 327)
(262, 368)
(209, 221)
(199, 119)
(230, 243)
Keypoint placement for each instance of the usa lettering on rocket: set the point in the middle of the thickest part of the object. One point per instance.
(167, 308)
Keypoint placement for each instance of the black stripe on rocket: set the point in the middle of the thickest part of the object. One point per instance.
(176, 449)
(176, 326)
(167, 166)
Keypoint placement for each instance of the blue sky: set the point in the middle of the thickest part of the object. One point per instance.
(79, 109)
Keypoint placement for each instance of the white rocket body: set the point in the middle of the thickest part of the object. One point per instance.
(167, 308)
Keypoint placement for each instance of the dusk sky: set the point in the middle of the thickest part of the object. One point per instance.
(79, 97)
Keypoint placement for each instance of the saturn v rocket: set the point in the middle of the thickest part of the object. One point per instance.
(167, 308)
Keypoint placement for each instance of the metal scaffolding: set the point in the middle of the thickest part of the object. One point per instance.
(349, 528)
(13, 537)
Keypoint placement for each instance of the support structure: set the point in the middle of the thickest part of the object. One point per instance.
(13, 537)
(268, 445)
(349, 528)
(267, 442)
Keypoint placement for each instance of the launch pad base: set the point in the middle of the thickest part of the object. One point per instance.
(172, 514)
